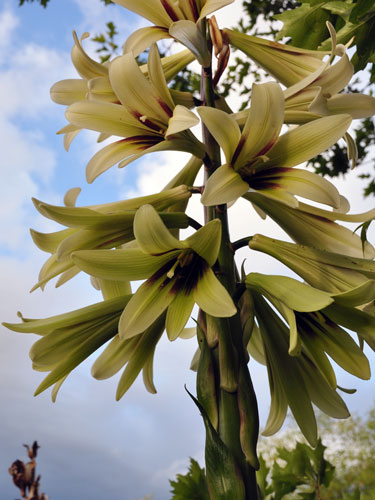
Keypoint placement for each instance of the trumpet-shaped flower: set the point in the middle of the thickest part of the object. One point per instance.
(95, 84)
(314, 227)
(313, 84)
(350, 278)
(303, 308)
(258, 159)
(288, 64)
(172, 19)
(295, 381)
(68, 339)
(145, 116)
(178, 274)
(101, 226)
(288, 296)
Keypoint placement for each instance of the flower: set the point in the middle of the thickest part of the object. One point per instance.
(288, 64)
(350, 279)
(313, 85)
(146, 125)
(172, 19)
(95, 83)
(258, 159)
(295, 381)
(68, 339)
(315, 227)
(108, 225)
(178, 274)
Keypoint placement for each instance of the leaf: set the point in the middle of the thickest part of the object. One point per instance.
(304, 466)
(305, 25)
(223, 475)
(192, 485)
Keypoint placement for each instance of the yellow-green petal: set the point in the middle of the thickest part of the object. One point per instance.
(308, 140)
(143, 38)
(178, 314)
(223, 186)
(151, 234)
(223, 127)
(182, 119)
(122, 264)
(206, 241)
(188, 33)
(212, 297)
(292, 293)
(69, 91)
(149, 302)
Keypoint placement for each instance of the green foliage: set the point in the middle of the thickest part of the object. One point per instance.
(192, 485)
(107, 45)
(355, 464)
(305, 25)
(305, 471)
(44, 3)
(334, 471)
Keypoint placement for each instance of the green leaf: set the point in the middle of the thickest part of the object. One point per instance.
(192, 485)
(223, 475)
(305, 25)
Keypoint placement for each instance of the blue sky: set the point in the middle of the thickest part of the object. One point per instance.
(92, 447)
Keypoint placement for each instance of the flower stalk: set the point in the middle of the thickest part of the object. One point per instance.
(236, 401)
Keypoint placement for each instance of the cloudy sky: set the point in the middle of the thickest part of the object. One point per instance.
(91, 446)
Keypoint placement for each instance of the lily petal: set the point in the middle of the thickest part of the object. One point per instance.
(143, 38)
(223, 127)
(308, 140)
(149, 9)
(149, 302)
(131, 86)
(142, 354)
(206, 241)
(122, 264)
(182, 119)
(105, 117)
(223, 186)
(292, 293)
(178, 314)
(263, 124)
(356, 105)
(212, 296)
(108, 156)
(69, 91)
(210, 6)
(86, 67)
(188, 33)
(151, 234)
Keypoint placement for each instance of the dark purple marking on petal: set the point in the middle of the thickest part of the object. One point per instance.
(164, 106)
(147, 140)
(264, 179)
(263, 184)
(266, 148)
(161, 272)
(145, 121)
(239, 147)
(194, 10)
(186, 278)
(169, 10)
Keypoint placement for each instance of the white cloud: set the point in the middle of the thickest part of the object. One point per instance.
(8, 23)
(28, 160)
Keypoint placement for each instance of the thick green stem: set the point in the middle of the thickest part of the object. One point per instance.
(228, 357)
